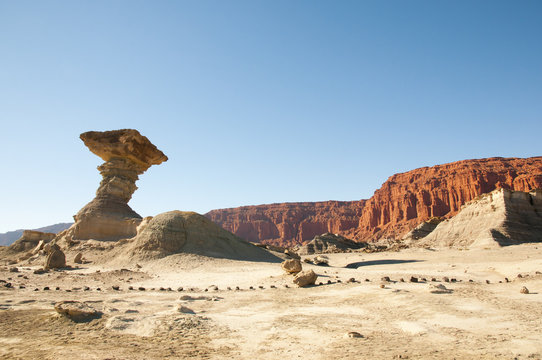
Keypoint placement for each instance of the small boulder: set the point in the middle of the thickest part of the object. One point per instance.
(305, 278)
(78, 258)
(524, 290)
(292, 266)
(439, 289)
(185, 310)
(76, 310)
(55, 259)
(353, 335)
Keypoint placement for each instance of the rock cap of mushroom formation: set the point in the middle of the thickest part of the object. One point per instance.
(124, 143)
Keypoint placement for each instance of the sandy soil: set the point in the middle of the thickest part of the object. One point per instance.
(478, 316)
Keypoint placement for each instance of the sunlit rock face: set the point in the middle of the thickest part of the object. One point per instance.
(127, 154)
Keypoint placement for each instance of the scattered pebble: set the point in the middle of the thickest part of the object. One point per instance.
(386, 278)
(413, 279)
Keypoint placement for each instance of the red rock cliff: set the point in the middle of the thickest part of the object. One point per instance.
(404, 201)
(407, 199)
(289, 223)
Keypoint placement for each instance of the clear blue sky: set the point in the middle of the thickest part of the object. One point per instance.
(259, 101)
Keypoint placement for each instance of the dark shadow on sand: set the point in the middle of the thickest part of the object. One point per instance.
(378, 262)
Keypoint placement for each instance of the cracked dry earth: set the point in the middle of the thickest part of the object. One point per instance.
(481, 315)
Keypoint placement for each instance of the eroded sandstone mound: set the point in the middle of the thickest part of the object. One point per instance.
(403, 202)
(127, 154)
(177, 232)
(502, 217)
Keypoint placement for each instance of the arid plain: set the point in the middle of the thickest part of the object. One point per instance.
(478, 314)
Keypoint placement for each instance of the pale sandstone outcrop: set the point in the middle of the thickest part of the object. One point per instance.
(127, 154)
(30, 239)
(502, 217)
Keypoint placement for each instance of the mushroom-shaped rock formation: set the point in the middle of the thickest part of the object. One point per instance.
(127, 154)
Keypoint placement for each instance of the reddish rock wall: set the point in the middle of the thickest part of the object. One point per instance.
(289, 223)
(407, 199)
(404, 201)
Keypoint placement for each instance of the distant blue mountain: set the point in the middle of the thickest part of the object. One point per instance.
(9, 237)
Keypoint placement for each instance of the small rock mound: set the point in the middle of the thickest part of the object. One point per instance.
(328, 243)
(176, 232)
(76, 310)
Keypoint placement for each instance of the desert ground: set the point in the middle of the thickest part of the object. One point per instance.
(466, 304)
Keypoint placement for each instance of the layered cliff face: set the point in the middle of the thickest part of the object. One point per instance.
(403, 202)
(289, 223)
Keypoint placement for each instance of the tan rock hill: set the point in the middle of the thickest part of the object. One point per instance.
(502, 217)
(127, 154)
(403, 202)
(184, 232)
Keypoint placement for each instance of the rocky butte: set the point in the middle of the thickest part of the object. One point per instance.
(127, 154)
(403, 202)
